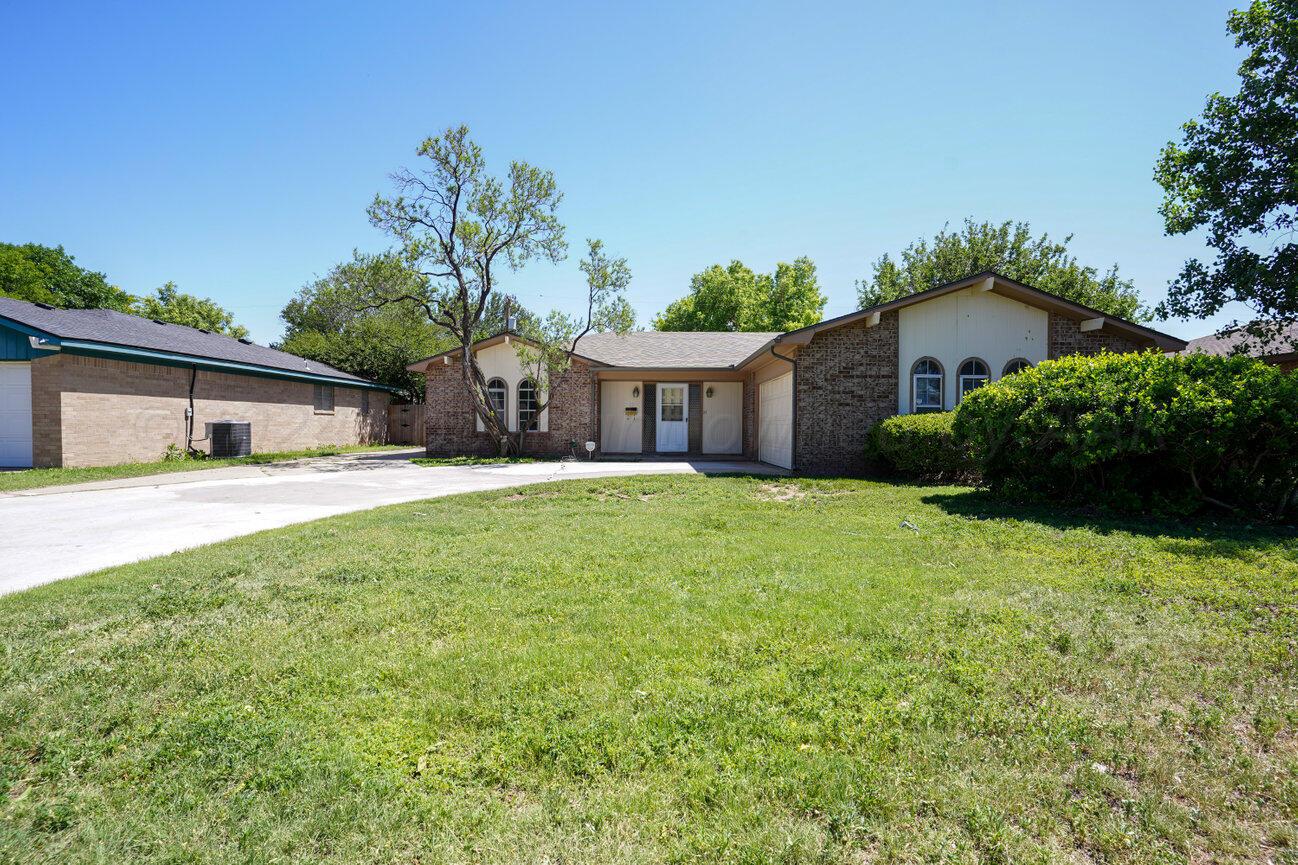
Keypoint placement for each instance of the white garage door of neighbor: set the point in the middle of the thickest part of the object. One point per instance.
(775, 422)
(15, 415)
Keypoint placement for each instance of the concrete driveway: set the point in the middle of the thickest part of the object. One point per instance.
(56, 532)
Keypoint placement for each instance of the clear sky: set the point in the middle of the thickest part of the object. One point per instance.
(233, 148)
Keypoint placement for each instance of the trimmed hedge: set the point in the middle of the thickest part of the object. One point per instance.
(920, 446)
(1140, 432)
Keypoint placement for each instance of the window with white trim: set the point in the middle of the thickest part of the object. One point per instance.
(1017, 365)
(498, 396)
(926, 385)
(973, 375)
(526, 405)
(324, 397)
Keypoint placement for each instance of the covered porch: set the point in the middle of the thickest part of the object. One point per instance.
(681, 414)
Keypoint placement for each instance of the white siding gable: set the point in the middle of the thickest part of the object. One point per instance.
(964, 324)
(501, 361)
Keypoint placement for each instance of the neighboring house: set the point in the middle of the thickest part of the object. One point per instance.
(1283, 352)
(802, 400)
(96, 387)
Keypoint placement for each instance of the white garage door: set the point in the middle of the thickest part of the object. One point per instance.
(15, 415)
(775, 424)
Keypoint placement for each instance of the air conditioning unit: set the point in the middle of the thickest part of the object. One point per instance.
(230, 438)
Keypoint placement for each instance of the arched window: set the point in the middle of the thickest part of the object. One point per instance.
(926, 385)
(1016, 365)
(526, 405)
(973, 375)
(498, 396)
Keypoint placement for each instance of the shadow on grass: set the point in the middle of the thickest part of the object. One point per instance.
(1203, 536)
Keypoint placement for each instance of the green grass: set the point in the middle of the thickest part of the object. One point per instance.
(665, 669)
(34, 478)
(470, 461)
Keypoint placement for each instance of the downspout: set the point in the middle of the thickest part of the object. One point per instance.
(793, 361)
(189, 414)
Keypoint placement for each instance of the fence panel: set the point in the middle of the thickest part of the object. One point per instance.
(406, 424)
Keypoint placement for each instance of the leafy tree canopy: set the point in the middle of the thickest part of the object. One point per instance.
(47, 274)
(1235, 174)
(1009, 249)
(736, 298)
(174, 306)
(336, 320)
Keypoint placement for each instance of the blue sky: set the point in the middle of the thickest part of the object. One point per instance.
(233, 149)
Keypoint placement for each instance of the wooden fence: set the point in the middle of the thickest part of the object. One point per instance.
(406, 424)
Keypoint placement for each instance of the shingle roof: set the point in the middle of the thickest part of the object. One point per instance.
(131, 331)
(1214, 344)
(671, 349)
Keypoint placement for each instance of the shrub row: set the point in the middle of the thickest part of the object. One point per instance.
(1134, 432)
(919, 446)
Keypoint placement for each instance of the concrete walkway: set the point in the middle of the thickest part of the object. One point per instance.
(57, 532)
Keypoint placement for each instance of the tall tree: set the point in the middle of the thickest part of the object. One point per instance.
(1009, 249)
(457, 226)
(736, 298)
(47, 274)
(1235, 174)
(174, 306)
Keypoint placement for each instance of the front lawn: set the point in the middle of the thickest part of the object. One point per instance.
(32, 478)
(665, 669)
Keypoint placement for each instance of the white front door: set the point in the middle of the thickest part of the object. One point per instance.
(16, 415)
(620, 421)
(775, 422)
(723, 417)
(673, 432)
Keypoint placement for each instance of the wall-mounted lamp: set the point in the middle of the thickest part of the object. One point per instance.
(709, 392)
(635, 392)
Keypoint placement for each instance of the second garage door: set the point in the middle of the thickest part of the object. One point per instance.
(775, 422)
(16, 415)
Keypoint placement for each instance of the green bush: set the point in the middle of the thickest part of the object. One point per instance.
(1140, 432)
(919, 446)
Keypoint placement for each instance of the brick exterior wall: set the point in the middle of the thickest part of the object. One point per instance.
(89, 411)
(572, 415)
(1066, 337)
(845, 381)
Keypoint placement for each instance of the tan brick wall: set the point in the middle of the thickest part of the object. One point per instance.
(47, 412)
(94, 411)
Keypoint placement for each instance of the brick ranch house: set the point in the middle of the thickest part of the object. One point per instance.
(91, 387)
(802, 400)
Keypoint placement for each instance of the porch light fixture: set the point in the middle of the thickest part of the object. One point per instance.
(709, 391)
(635, 392)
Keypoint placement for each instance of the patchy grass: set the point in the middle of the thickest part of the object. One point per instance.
(471, 461)
(32, 478)
(665, 669)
